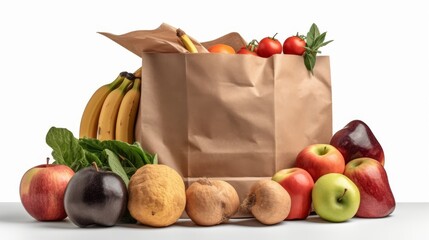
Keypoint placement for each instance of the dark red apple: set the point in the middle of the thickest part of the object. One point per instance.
(320, 159)
(370, 177)
(356, 140)
(42, 191)
(299, 184)
(95, 197)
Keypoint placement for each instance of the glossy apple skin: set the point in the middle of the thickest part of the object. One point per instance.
(95, 198)
(42, 191)
(369, 175)
(298, 183)
(335, 197)
(320, 159)
(356, 140)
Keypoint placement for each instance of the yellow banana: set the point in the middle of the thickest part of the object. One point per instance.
(89, 120)
(109, 110)
(187, 42)
(127, 114)
(138, 73)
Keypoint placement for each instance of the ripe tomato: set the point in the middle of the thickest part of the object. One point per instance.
(294, 45)
(244, 50)
(250, 48)
(221, 48)
(269, 46)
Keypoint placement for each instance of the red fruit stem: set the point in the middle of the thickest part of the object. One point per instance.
(47, 161)
(94, 164)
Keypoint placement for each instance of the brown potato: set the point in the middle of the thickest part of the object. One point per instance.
(211, 202)
(268, 202)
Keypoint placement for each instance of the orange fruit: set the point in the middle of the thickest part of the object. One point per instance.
(156, 195)
(221, 48)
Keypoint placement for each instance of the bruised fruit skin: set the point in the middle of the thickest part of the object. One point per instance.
(268, 202)
(156, 195)
(211, 202)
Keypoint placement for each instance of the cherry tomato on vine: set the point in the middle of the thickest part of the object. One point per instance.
(250, 48)
(269, 46)
(294, 45)
(244, 50)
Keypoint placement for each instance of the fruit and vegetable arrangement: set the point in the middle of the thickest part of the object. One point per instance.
(104, 177)
(306, 46)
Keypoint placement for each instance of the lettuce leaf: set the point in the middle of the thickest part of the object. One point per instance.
(120, 157)
(115, 165)
(66, 149)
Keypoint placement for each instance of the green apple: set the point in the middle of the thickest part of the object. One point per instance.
(335, 197)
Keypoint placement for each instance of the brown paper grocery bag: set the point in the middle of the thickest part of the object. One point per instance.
(237, 118)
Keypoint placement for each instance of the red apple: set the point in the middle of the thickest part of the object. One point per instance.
(320, 159)
(298, 183)
(356, 140)
(42, 191)
(370, 177)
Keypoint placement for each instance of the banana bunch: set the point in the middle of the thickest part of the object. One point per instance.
(111, 112)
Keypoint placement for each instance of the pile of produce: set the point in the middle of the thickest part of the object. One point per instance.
(104, 177)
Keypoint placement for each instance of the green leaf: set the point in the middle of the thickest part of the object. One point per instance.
(66, 149)
(319, 40)
(131, 156)
(312, 34)
(115, 166)
(130, 170)
(148, 158)
(315, 30)
(309, 61)
(91, 144)
(315, 40)
(124, 150)
(325, 43)
(155, 159)
(80, 153)
(90, 157)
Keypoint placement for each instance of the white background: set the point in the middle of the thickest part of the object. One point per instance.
(52, 60)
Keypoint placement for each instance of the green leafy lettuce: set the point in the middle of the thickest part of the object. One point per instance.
(119, 157)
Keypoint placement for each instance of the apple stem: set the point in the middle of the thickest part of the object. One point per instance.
(94, 164)
(47, 161)
(344, 193)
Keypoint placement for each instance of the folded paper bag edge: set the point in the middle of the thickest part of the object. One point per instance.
(161, 39)
(164, 39)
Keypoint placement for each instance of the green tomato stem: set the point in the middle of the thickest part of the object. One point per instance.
(274, 36)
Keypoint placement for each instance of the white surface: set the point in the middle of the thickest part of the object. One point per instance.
(408, 221)
(52, 60)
